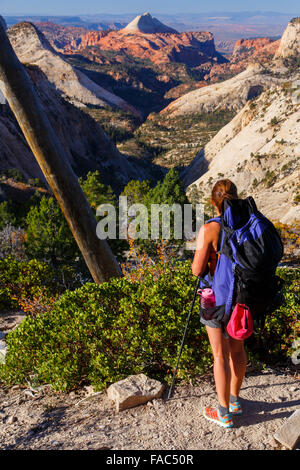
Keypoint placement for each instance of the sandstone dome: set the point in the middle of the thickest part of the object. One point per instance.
(147, 24)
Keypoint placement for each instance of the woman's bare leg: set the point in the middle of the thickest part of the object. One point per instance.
(238, 363)
(222, 373)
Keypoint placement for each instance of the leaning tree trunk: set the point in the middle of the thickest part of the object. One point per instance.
(27, 108)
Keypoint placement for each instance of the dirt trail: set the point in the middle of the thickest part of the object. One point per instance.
(48, 420)
(43, 419)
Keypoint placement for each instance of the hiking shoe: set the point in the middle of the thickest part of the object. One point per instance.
(235, 408)
(213, 414)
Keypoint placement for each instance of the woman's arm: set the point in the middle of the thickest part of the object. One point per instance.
(203, 250)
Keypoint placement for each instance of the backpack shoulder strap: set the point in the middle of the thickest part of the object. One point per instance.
(219, 240)
(219, 220)
(214, 219)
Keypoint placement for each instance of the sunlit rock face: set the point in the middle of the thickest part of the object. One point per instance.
(290, 41)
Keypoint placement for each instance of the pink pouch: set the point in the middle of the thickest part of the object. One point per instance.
(240, 325)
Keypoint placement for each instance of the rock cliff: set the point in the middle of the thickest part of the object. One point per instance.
(87, 146)
(33, 48)
(59, 36)
(258, 47)
(290, 41)
(259, 150)
(231, 94)
(245, 52)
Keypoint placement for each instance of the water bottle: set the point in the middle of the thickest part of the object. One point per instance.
(207, 298)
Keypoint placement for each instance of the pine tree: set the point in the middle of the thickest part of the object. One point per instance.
(95, 191)
(169, 191)
(48, 236)
(136, 191)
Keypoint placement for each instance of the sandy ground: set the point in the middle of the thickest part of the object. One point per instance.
(45, 420)
(41, 419)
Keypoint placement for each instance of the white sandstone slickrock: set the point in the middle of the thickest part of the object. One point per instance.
(262, 159)
(134, 390)
(33, 48)
(231, 94)
(290, 41)
(259, 149)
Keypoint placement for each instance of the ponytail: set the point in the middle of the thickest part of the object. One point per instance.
(223, 189)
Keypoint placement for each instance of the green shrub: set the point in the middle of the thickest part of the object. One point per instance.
(102, 333)
(274, 121)
(95, 191)
(24, 279)
(99, 334)
(270, 178)
(297, 198)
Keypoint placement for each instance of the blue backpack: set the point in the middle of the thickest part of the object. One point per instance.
(250, 250)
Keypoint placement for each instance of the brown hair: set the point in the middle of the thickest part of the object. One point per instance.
(223, 189)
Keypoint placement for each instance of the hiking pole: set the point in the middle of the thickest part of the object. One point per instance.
(184, 334)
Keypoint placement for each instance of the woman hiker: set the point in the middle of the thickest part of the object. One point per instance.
(229, 355)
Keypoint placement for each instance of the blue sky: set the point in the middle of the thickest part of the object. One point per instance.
(76, 7)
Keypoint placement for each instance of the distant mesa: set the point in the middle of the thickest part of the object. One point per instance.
(147, 24)
(148, 39)
(258, 47)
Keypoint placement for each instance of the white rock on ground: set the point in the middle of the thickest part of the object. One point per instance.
(134, 390)
(289, 433)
